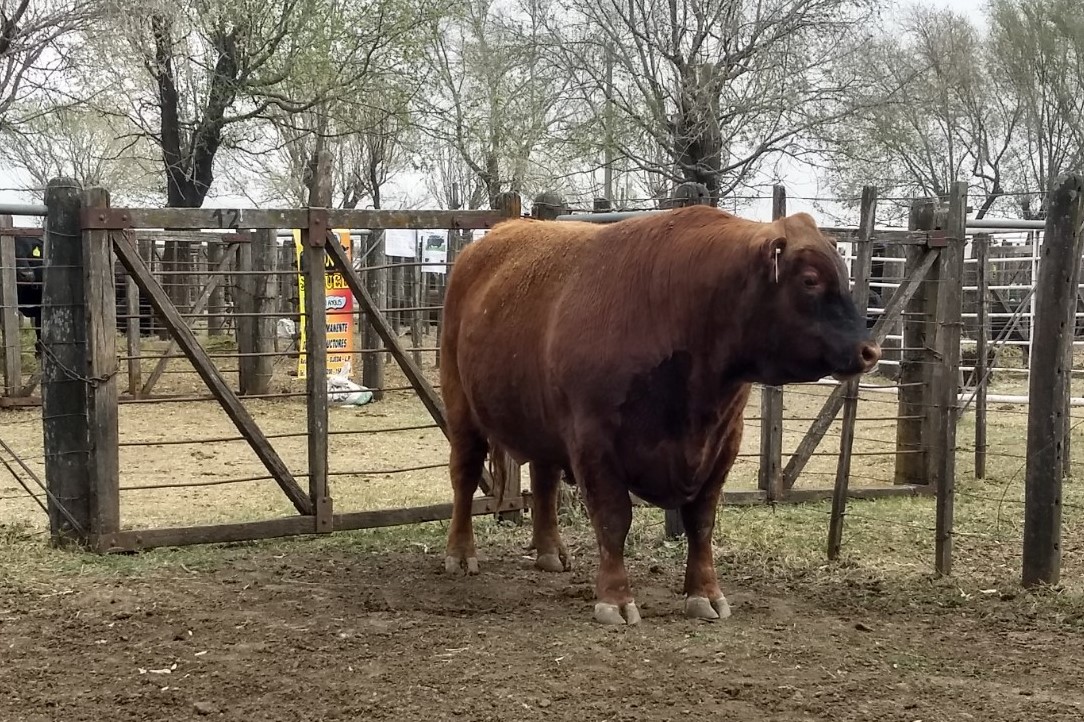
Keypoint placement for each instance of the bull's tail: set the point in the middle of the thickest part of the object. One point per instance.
(500, 464)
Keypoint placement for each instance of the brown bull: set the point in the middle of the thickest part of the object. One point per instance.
(623, 354)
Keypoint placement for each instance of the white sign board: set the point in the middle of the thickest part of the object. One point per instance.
(401, 242)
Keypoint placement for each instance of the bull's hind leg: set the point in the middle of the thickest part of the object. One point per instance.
(552, 555)
(467, 459)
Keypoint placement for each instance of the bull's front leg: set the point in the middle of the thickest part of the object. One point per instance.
(610, 508)
(703, 597)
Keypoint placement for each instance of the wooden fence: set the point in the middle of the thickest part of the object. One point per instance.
(81, 363)
(80, 395)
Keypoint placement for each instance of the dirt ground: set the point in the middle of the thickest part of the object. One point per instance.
(305, 631)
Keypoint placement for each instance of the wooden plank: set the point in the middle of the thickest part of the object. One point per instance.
(233, 219)
(64, 366)
(134, 346)
(771, 403)
(1051, 375)
(133, 540)
(314, 239)
(19, 402)
(945, 387)
(197, 308)
(231, 404)
(834, 402)
(863, 262)
(216, 305)
(244, 304)
(417, 340)
(102, 427)
(981, 244)
(9, 312)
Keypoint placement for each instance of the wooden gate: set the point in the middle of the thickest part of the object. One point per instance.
(80, 364)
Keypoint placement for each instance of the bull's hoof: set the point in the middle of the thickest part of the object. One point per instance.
(703, 608)
(553, 562)
(458, 565)
(613, 614)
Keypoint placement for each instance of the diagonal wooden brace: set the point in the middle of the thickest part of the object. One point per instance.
(428, 395)
(129, 256)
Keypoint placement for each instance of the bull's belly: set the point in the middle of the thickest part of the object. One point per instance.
(517, 423)
(664, 480)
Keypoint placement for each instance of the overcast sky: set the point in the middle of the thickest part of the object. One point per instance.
(801, 182)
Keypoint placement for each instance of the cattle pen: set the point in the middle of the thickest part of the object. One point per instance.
(161, 403)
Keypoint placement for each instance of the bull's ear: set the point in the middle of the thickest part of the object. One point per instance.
(776, 246)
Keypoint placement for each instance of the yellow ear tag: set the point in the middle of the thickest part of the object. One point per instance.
(36, 253)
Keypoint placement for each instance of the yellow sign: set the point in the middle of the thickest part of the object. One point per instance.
(340, 311)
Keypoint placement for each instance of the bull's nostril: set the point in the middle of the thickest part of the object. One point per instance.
(871, 354)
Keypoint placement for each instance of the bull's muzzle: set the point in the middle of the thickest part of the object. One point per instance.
(869, 352)
(866, 357)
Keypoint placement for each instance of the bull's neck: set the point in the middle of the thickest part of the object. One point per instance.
(736, 333)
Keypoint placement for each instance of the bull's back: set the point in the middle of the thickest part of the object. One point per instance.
(498, 309)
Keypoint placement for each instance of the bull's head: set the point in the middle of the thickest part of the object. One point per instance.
(28, 261)
(812, 327)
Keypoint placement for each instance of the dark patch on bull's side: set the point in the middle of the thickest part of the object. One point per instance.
(657, 401)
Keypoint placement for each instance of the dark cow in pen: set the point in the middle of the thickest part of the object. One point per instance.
(29, 259)
(623, 355)
(29, 285)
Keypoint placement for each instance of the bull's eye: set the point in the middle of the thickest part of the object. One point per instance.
(811, 280)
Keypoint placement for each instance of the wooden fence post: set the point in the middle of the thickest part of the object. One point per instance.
(254, 320)
(79, 366)
(134, 350)
(148, 322)
(981, 244)
(373, 360)
(511, 205)
(548, 205)
(314, 238)
(264, 290)
(216, 306)
(417, 296)
(1055, 311)
(9, 312)
(770, 477)
(860, 292)
(944, 386)
(917, 338)
(244, 305)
